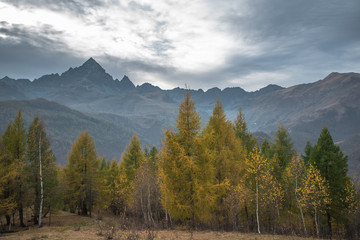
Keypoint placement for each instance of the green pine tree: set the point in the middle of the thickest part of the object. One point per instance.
(332, 164)
(242, 132)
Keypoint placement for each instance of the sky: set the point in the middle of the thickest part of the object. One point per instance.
(178, 43)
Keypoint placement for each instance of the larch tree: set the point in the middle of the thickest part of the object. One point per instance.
(81, 174)
(228, 156)
(14, 141)
(131, 160)
(7, 180)
(186, 171)
(43, 170)
(112, 196)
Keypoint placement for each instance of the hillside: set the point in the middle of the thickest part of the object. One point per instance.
(147, 109)
(63, 125)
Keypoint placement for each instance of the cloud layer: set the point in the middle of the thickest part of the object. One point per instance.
(247, 43)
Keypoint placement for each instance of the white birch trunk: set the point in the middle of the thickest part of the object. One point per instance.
(257, 206)
(316, 223)
(41, 185)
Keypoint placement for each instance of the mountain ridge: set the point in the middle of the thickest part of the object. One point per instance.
(304, 108)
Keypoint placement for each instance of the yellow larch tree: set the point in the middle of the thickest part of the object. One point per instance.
(185, 170)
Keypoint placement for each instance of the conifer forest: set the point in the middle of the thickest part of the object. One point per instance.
(216, 176)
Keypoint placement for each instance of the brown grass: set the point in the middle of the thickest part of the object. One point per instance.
(67, 226)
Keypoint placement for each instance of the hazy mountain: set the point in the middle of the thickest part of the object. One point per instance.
(63, 125)
(147, 109)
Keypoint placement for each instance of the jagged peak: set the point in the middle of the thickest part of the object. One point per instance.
(126, 83)
(91, 63)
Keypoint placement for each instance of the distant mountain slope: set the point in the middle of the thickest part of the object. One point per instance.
(304, 109)
(63, 125)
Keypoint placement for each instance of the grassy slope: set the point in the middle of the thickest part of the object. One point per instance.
(67, 226)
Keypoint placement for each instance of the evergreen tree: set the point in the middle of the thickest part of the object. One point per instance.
(242, 132)
(283, 147)
(332, 164)
(81, 174)
(265, 149)
(307, 153)
(43, 170)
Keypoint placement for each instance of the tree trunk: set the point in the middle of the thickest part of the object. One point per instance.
(21, 216)
(329, 223)
(9, 223)
(257, 206)
(91, 200)
(8, 219)
(316, 223)
(84, 209)
(247, 217)
(149, 205)
(142, 206)
(49, 216)
(300, 208)
(41, 186)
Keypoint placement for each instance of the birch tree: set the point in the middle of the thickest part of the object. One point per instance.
(43, 170)
(314, 193)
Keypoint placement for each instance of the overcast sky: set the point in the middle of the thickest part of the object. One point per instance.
(200, 43)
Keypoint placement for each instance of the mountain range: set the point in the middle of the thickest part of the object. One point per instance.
(86, 97)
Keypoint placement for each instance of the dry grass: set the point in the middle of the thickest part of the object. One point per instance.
(67, 226)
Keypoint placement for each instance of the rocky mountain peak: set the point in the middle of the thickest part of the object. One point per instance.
(126, 84)
(92, 64)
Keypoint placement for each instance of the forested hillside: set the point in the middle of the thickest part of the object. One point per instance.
(213, 177)
(63, 125)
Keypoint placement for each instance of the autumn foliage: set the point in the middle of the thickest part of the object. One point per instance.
(216, 177)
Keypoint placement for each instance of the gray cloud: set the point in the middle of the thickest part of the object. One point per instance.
(31, 53)
(304, 36)
(301, 40)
